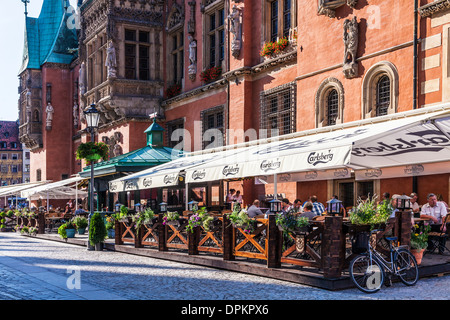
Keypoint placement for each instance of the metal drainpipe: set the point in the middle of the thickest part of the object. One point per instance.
(415, 54)
(414, 179)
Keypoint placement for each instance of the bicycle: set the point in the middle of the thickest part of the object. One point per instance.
(367, 270)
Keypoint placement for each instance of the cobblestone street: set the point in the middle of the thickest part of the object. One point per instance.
(36, 269)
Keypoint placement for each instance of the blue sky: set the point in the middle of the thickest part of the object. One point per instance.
(12, 21)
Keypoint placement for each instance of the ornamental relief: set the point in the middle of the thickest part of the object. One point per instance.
(328, 7)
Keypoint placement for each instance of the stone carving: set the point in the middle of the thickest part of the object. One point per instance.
(192, 69)
(328, 7)
(82, 78)
(434, 7)
(49, 110)
(350, 68)
(111, 62)
(191, 22)
(235, 28)
(113, 143)
(75, 114)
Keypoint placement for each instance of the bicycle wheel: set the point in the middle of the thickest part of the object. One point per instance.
(367, 274)
(406, 267)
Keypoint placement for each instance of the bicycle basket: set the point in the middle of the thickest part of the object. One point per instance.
(360, 242)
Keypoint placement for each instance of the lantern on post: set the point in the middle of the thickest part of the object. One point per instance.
(193, 205)
(402, 202)
(163, 207)
(117, 206)
(334, 206)
(275, 206)
(137, 207)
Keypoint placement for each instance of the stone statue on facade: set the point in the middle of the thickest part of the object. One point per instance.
(192, 69)
(235, 28)
(49, 110)
(350, 68)
(111, 61)
(82, 78)
(75, 114)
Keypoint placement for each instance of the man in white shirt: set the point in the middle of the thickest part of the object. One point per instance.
(414, 205)
(433, 210)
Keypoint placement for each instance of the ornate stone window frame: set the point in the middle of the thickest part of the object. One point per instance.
(209, 8)
(369, 87)
(266, 114)
(267, 15)
(321, 101)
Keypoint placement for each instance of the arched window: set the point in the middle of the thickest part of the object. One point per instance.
(329, 103)
(383, 96)
(332, 107)
(380, 90)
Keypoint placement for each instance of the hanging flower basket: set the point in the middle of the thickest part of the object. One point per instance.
(92, 151)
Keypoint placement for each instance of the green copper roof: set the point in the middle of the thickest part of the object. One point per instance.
(154, 127)
(47, 38)
(136, 160)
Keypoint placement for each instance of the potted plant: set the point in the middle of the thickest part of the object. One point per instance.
(367, 216)
(92, 151)
(290, 223)
(81, 223)
(171, 218)
(240, 219)
(110, 226)
(211, 74)
(123, 214)
(173, 90)
(146, 217)
(67, 230)
(24, 231)
(419, 241)
(97, 231)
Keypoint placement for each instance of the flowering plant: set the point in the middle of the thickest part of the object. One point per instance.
(143, 217)
(289, 222)
(368, 212)
(271, 48)
(173, 90)
(170, 216)
(211, 74)
(199, 218)
(419, 237)
(240, 219)
(62, 229)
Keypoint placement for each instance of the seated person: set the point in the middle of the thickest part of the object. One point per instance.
(435, 211)
(414, 204)
(307, 211)
(79, 210)
(254, 210)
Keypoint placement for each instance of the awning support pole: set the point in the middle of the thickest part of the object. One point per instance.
(275, 189)
(186, 192)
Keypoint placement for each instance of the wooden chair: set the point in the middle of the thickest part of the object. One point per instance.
(437, 240)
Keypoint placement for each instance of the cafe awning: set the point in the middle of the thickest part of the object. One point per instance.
(406, 138)
(16, 189)
(164, 175)
(409, 140)
(56, 190)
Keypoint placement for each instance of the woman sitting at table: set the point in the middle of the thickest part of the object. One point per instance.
(67, 210)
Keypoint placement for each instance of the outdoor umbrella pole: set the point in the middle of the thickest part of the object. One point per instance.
(275, 191)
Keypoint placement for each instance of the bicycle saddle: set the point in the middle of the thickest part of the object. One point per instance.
(391, 238)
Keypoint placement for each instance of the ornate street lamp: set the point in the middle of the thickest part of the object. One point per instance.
(193, 206)
(163, 207)
(92, 118)
(402, 202)
(275, 206)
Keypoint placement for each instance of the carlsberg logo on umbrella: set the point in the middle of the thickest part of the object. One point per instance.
(315, 158)
(230, 170)
(198, 174)
(169, 179)
(267, 165)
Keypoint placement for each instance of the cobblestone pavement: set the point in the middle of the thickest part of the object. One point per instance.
(36, 269)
